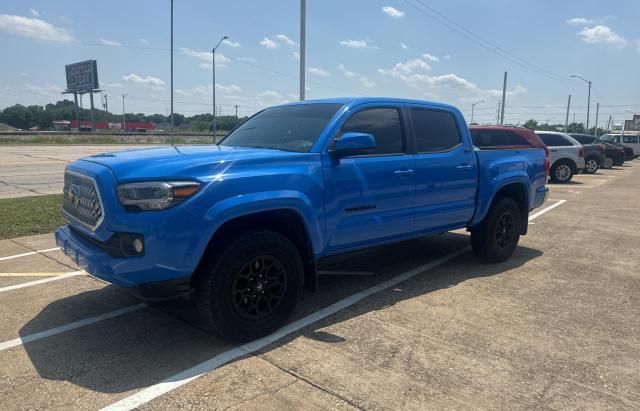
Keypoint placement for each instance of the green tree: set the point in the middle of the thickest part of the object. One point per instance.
(531, 124)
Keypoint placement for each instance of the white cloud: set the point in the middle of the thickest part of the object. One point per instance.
(392, 11)
(579, 21)
(446, 57)
(34, 12)
(246, 59)
(109, 42)
(286, 40)
(403, 46)
(147, 81)
(268, 43)
(412, 73)
(430, 57)
(601, 34)
(33, 28)
(351, 74)
(318, 72)
(356, 44)
(45, 90)
(206, 56)
(113, 85)
(295, 55)
(202, 90)
(230, 43)
(143, 41)
(270, 94)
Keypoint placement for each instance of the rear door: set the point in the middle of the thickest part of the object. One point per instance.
(369, 198)
(446, 170)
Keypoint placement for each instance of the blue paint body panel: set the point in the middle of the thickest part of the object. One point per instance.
(345, 204)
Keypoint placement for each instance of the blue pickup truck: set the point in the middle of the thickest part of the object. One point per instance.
(239, 227)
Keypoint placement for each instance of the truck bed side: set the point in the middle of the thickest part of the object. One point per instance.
(517, 170)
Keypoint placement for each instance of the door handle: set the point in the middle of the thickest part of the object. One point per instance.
(404, 173)
(464, 168)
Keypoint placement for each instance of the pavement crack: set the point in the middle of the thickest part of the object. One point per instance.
(312, 383)
(262, 394)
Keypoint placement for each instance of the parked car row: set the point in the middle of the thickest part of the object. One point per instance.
(568, 154)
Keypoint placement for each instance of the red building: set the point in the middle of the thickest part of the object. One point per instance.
(131, 126)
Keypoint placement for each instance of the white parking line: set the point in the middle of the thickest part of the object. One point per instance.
(68, 327)
(36, 274)
(44, 280)
(10, 257)
(546, 209)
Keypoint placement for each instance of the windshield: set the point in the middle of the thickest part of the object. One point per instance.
(608, 137)
(290, 128)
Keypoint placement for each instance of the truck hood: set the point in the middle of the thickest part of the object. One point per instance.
(183, 161)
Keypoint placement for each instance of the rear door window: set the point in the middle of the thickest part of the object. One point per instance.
(435, 130)
(497, 138)
(554, 140)
(630, 139)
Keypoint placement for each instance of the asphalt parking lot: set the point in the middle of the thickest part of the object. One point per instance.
(557, 326)
(30, 170)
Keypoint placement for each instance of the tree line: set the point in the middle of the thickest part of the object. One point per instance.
(26, 117)
(571, 127)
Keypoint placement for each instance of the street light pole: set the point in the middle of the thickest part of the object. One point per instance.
(473, 106)
(588, 97)
(124, 119)
(213, 85)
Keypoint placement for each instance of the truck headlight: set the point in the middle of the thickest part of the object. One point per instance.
(155, 195)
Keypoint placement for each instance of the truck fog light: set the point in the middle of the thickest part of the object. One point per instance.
(137, 245)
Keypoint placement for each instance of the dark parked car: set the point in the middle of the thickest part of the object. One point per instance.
(594, 153)
(628, 151)
(614, 154)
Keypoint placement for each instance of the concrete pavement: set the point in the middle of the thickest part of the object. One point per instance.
(557, 326)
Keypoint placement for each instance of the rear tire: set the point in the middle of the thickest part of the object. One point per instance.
(496, 237)
(561, 172)
(590, 166)
(251, 289)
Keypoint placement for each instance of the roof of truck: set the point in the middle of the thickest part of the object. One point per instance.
(354, 101)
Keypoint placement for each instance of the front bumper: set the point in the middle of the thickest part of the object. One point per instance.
(128, 273)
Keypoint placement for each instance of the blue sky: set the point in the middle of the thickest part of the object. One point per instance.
(354, 47)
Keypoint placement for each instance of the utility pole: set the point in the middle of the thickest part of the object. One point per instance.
(124, 118)
(566, 121)
(588, 96)
(498, 113)
(303, 29)
(213, 84)
(609, 124)
(504, 95)
(574, 118)
(93, 116)
(595, 129)
(236, 106)
(473, 107)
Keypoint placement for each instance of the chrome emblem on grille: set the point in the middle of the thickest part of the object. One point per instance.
(74, 195)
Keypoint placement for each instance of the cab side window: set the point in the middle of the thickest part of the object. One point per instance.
(434, 130)
(385, 126)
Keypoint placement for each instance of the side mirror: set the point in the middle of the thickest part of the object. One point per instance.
(353, 144)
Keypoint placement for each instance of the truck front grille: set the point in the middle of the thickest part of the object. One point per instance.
(81, 201)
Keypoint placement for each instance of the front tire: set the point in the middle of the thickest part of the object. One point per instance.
(252, 288)
(608, 162)
(496, 237)
(590, 166)
(561, 172)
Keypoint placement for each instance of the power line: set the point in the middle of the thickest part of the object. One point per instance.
(485, 44)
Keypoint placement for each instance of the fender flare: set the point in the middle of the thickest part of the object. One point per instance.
(247, 204)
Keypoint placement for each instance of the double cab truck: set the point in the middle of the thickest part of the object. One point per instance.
(239, 227)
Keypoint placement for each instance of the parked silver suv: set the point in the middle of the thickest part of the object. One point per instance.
(566, 155)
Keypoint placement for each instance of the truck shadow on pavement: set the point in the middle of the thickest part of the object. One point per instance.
(146, 346)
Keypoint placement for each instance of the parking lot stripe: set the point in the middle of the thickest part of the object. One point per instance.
(184, 377)
(68, 327)
(10, 257)
(38, 274)
(44, 280)
(546, 209)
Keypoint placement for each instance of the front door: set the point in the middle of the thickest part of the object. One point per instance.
(369, 198)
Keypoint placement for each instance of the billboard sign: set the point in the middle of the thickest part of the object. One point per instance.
(82, 76)
(631, 125)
